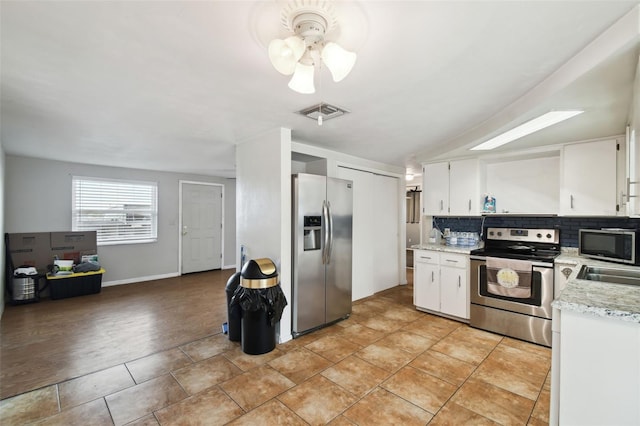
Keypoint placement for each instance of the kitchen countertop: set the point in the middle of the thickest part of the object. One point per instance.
(615, 301)
(445, 248)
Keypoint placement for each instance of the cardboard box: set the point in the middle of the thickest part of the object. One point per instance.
(73, 241)
(30, 249)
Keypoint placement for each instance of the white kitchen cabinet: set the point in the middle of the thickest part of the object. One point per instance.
(454, 286)
(451, 188)
(426, 279)
(440, 283)
(435, 189)
(588, 179)
(598, 367)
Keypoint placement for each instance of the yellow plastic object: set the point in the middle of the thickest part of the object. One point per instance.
(78, 274)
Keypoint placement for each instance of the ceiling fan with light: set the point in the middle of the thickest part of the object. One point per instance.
(300, 53)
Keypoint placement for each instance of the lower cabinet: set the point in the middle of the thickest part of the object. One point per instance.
(597, 365)
(440, 283)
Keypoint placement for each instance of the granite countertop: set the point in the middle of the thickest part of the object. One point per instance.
(445, 248)
(615, 301)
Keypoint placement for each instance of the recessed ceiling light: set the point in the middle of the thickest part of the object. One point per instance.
(539, 123)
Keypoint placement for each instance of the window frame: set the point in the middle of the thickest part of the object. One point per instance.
(128, 219)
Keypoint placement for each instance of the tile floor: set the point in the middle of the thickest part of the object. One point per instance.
(387, 364)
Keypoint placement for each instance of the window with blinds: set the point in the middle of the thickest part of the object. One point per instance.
(121, 211)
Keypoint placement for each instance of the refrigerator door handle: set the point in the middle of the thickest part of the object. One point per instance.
(330, 247)
(325, 230)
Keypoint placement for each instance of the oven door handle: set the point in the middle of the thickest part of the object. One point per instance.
(533, 264)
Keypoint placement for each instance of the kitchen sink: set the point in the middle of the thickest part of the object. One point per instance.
(610, 275)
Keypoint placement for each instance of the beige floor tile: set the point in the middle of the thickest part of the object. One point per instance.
(453, 415)
(91, 413)
(139, 400)
(211, 407)
(318, 400)
(397, 313)
(341, 421)
(536, 422)
(149, 420)
(381, 407)
(431, 325)
(96, 385)
(29, 406)
(361, 335)
(419, 388)
(333, 348)
(410, 342)
(467, 344)
(542, 406)
(246, 362)
(256, 387)
(273, 412)
(515, 370)
(389, 359)
(356, 375)
(202, 375)
(526, 346)
(208, 347)
(493, 402)
(364, 311)
(300, 364)
(381, 323)
(157, 364)
(449, 369)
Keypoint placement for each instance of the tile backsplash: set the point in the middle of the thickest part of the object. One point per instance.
(568, 226)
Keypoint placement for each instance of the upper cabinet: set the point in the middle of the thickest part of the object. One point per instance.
(451, 188)
(435, 189)
(588, 179)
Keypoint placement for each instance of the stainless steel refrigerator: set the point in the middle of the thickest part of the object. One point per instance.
(322, 227)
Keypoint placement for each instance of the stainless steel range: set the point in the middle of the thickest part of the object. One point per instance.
(512, 283)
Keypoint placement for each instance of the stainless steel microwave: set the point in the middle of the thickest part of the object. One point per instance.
(613, 245)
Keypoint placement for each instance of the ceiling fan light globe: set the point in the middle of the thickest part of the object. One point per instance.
(284, 54)
(339, 61)
(302, 80)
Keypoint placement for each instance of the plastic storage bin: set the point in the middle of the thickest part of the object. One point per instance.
(78, 284)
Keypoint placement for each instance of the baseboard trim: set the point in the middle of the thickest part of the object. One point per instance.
(140, 279)
(229, 267)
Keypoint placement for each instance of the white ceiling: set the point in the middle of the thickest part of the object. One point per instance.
(176, 85)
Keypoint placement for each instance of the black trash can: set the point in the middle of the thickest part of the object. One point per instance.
(262, 302)
(234, 313)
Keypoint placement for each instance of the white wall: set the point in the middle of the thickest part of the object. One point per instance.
(38, 199)
(3, 281)
(633, 148)
(263, 206)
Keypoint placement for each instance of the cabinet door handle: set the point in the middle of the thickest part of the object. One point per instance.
(452, 261)
(441, 205)
(432, 276)
(459, 281)
(469, 205)
(425, 257)
(571, 201)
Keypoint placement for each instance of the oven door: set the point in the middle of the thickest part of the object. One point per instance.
(539, 304)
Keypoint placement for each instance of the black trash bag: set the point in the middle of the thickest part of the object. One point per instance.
(272, 300)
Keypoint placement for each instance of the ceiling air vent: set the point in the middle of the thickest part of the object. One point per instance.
(326, 111)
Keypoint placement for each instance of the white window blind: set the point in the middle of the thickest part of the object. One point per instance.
(120, 211)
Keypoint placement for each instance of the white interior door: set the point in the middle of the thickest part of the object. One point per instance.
(363, 233)
(201, 227)
(386, 217)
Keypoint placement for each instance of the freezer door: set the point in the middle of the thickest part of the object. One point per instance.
(308, 307)
(338, 267)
